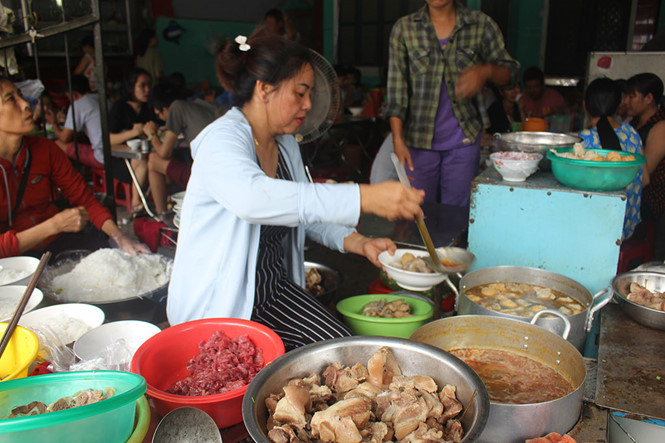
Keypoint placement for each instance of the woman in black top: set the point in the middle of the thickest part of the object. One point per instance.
(126, 121)
(505, 110)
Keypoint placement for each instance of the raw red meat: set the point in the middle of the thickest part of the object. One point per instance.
(223, 364)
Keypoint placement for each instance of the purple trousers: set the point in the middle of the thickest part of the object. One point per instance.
(445, 176)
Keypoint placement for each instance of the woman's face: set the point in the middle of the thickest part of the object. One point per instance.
(511, 94)
(142, 88)
(289, 103)
(638, 102)
(15, 112)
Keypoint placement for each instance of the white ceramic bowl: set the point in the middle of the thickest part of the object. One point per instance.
(93, 343)
(10, 297)
(410, 280)
(17, 270)
(68, 320)
(515, 166)
(134, 144)
(356, 110)
(176, 220)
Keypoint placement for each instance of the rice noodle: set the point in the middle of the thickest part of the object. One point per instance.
(9, 275)
(111, 274)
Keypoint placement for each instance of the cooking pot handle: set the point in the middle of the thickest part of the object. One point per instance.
(455, 291)
(596, 305)
(566, 328)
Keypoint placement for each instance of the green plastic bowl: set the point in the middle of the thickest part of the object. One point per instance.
(110, 420)
(588, 175)
(351, 309)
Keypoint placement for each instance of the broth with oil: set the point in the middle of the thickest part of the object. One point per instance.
(522, 299)
(512, 378)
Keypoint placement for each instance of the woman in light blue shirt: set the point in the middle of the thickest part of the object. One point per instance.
(249, 206)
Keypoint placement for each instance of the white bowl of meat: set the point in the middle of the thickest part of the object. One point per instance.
(412, 269)
(515, 166)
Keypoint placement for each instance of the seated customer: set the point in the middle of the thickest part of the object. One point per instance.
(126, 121)
(32, 166)
(506, 111)
(181, 116)
(601, 100)
(540, 101)
(85, 114)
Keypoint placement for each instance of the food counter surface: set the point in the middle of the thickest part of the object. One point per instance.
(540, 180)
(631, 366)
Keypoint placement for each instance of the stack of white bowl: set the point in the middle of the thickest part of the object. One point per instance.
(177, 198)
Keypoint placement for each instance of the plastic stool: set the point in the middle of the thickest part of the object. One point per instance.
(378, 287)
(98, 180)
(123, 194)
(639, 248)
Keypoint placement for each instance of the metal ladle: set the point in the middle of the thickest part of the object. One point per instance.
(189, 425)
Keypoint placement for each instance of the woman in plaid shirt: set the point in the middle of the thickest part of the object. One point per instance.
(440, 58)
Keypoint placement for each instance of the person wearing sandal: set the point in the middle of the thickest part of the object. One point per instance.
(31, 167)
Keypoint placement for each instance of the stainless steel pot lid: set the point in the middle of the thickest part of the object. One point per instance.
(550, 139)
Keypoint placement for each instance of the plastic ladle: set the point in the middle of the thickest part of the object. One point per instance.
(187, 424)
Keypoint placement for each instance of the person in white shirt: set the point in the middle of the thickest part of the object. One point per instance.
(86, 118)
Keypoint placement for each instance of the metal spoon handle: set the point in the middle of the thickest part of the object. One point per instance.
(420, 222)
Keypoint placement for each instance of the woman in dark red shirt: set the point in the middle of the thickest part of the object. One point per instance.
(31, 168)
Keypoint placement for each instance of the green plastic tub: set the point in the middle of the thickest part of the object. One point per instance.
(110, 420)
(588, 175)
(351, 308)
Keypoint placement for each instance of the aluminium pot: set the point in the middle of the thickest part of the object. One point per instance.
(644, 315)
(580, 323)
(149, 306)
(513, 423)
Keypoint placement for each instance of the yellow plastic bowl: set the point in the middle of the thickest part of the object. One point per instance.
(20, 353)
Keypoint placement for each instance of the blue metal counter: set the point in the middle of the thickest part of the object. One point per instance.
(541, 223)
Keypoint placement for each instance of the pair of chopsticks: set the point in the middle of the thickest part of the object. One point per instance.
(24, 301)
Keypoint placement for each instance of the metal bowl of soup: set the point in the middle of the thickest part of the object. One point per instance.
(536, 353)
(545, 284)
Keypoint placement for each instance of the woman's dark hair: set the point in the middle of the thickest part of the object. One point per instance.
(534, 73)
(144, 40)
(80, 84)
(88, 41)
(602, 99)
(646, 83)
(163, 94)
(270, 59)
(276, 14)
(130, 79)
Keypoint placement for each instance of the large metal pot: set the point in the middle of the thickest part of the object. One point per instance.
(513, 423)
(539, 142)
(413, 358)
(149, 306)
(653, 281)
(580, 323)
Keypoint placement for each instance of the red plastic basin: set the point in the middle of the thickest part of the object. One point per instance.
(162, 361)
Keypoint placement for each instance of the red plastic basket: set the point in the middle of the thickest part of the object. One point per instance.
(162, 361)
